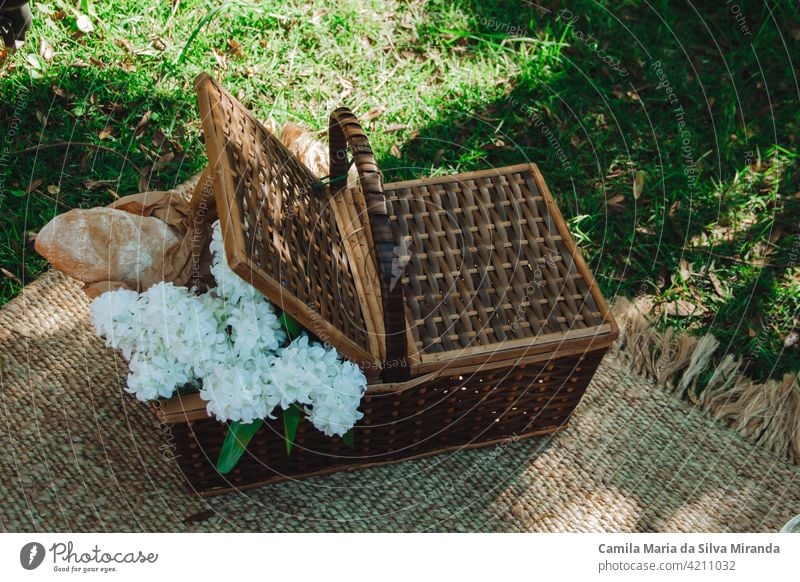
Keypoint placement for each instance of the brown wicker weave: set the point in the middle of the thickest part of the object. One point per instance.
(463, 298)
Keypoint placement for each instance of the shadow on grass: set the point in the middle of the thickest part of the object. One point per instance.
(80, 140)
(688, 198)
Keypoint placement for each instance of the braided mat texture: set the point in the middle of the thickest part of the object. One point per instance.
(78, 453)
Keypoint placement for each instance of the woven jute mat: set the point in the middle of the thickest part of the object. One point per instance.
(77, 453)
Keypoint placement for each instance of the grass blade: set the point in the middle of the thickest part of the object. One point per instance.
(203, 21)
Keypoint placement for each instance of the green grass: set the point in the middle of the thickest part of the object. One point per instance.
(464, 85)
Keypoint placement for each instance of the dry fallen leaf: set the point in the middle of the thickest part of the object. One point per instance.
(126, 44)
(791, 339)
(163, 161)
(45, 50)
(34, 185)
(716, 284)
(84, 24)
(222, 60)
(347, 88)
(683, 308)
(395, 151)
(53, 189)
(638, 185)
(776, 234)
(142, 125)
(400, 126)
(661, 280)
(97, 184)
(373, 113)
(235, 48)
(144, 179)
(10, 275)
(615, 202)
(105, 133)
(684, 270)
(316, 18)
(158, 43)
(34, 62)
(65, 94)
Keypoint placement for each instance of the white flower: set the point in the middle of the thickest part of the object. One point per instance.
(115, 317)
(301, 369)
(205, 335)
(229, 338)
(229, 285)
(153, 376)
(308, 373)
(239, 391)
(252, 319)
(254, 326)
(335, 405)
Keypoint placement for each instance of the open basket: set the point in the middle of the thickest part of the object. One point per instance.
(463, 298)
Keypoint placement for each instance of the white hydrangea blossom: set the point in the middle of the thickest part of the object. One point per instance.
(238, 391)
(254, 327)
(156, 375)
(334, 404)
(115, 316)
(229, 285)
(297, 373)
(231, 339)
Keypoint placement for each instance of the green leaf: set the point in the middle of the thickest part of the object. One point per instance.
(290, 324)
(18, 193)
(347, 438)
(291, 419)
(239, 434)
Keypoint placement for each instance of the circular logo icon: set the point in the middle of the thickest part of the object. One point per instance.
(31, 555)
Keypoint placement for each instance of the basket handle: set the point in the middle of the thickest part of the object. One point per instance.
(345, 131)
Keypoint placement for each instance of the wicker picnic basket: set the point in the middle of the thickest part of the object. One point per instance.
(463, 298)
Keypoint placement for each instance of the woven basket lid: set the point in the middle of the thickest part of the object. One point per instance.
(280, 231)
(490, 270)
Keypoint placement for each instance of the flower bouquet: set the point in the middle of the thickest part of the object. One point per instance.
(247, 362)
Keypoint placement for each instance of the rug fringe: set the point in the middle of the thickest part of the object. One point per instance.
(768, 412)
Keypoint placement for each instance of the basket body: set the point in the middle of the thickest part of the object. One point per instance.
(450, 413)
(469, 284)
